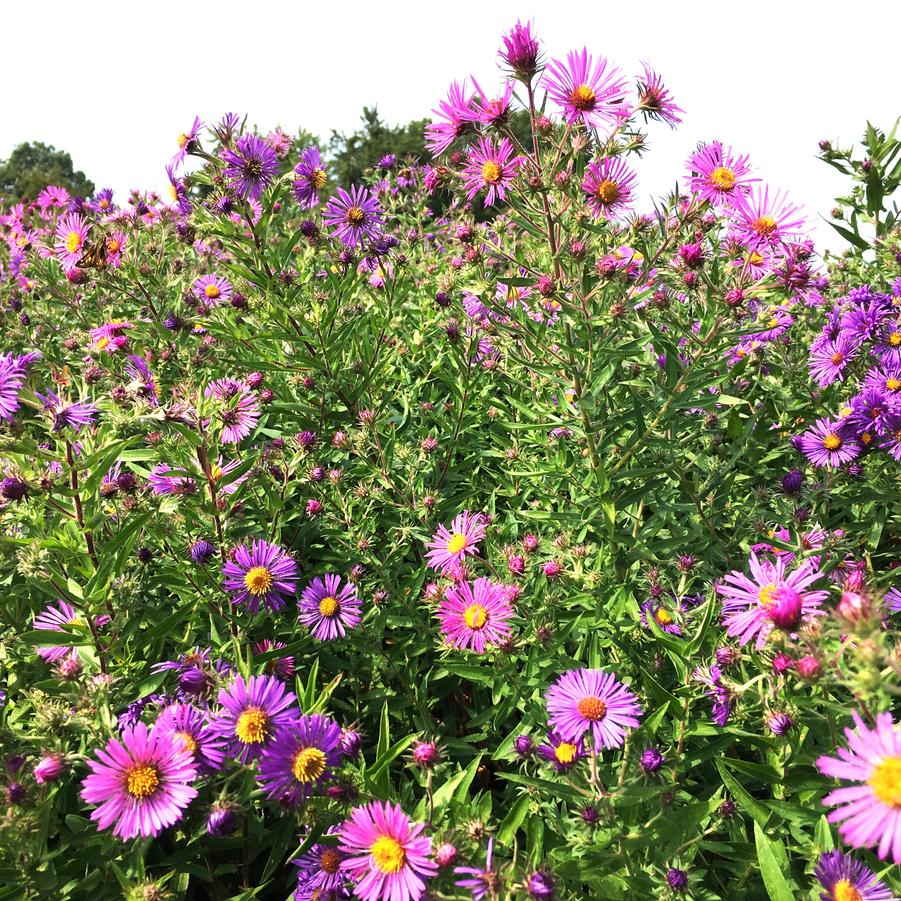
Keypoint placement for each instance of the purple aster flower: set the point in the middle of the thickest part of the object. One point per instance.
(202, 551)
(887, 345)
(590, 700)
(585, 90)
(651, 760)
(829, 444)
(327, 609)
(677, 879)
(61, 617)
(829, 360)
(540, 885)
(211, 290)
(780, 724)
(661, 615)
(892, 599)
(309, 178)
(892, 433)
(138, 371)
(872, 408)
(480, 880)
(191, 727)
(221, 821)
(355, 216)
(300, 758)
(187, 142)
(721, 695)
(142, 783)
(280, 667)
(847, 879)
(74, 415)
(13, 372)
(252, 713)
(162, 483)
(561, 753)
(319, 873)
(250, 166)
(261, 573)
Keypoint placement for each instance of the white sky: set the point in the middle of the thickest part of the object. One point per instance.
(114, 83)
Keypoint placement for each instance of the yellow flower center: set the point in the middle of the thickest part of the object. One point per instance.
(75, 621)
(258, 580)
(173, 191)
(565, 752)
(772, 322)
(583, 97)
(73, 242)
(112, 245)
(892, 384)
(182, 141)
(354, 216)
(764, 225)
(866, 438)
(491, 172)
(211, 291)
(844, 891)
(388, 854)
(832, 442)
(475, 616)
(755, 258)
(592, 708)
(252, 726)
(317, 179)
(142, 781)
(330, 861)
(885, 780)
(188, 741)
(457, 543)
(329, 606)
(767, 595)
(308, 765)
(894, 339)
(607, 191)
(723, 178)
(103, 204)
(836, 358)
(216, 472)
(663, 617)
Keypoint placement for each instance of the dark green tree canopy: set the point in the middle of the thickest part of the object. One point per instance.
(34, 165)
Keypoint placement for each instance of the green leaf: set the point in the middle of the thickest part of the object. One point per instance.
(756, 810)
(773, 866)
(513, 820)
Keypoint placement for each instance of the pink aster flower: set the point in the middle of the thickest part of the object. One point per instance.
(142, 783)
(771, 598)
(760, 220)
(869, 812)
(252, 713)
(490, 167)
(110, 337)
(590, 700)
(187, 142)
(190, 726)
(387, 856)
(608, 186)
(71, 233)
(655, 100)
(61, 617)
(474, 616)
(237, 409)
(718, 175)
(327, 609)
(451, 547)
(260, 573)
(455, 118)
(586, 91)
(211, 290)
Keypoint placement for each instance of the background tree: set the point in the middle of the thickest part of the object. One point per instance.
(34, 165)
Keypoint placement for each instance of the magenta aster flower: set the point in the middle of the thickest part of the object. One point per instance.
(187, 142)
(309, 178)
(847, 879)
(300, 758)
(521, 51)
(74, 415)
(250, 166)
(608, 186)
(655, 100)
(479, 879)
(718, 175)
(455, 118)
(387, 856)
(261, 573)
(590, 700)
(327, 609)
(61, 617)
(450, 547)
(13, 371)
(191, 727)
(771, 598)
(355, 216)
(110, 336)
(829, 444)
(490, 167)
(869, 812)
(162, 483)
(142, 783)
(563, 754)
(586, 91)
(211, 290)
(474, 616)
(54, 196)
(71, 233)
(662, 615)
(238, 409)
(763, 221)
(252, 713)
(892, 435)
